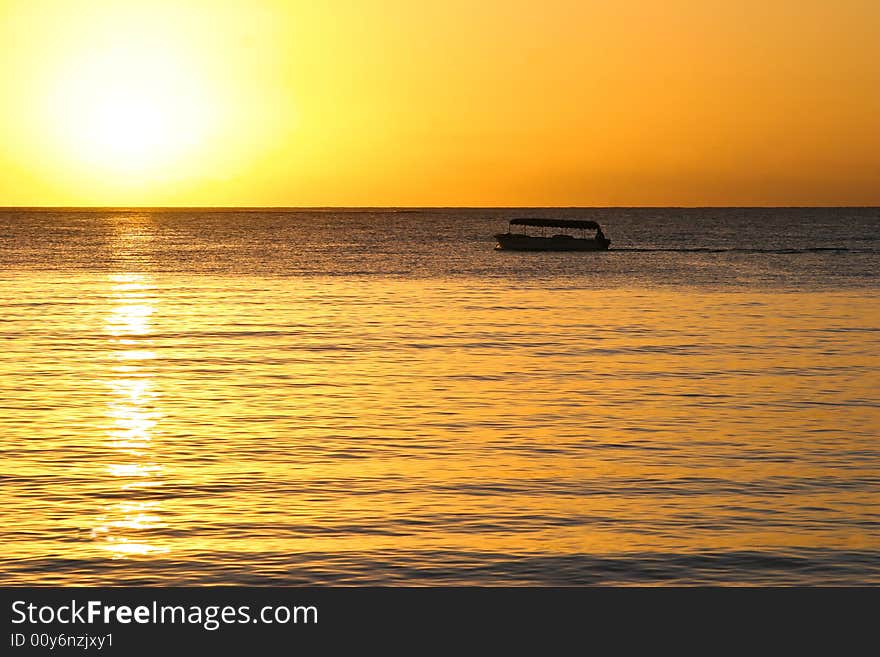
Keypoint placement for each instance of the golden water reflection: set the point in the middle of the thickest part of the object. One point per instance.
(244, 430)
(128, 525)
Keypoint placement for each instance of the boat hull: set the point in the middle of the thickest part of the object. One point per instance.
(514, 242)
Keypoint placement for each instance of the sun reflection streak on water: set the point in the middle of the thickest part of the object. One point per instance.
(125, 529)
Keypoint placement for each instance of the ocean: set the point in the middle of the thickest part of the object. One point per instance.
(377, 397)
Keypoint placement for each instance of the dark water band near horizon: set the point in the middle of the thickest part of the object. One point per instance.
(275, 397)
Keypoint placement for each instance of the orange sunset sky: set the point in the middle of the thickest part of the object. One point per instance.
(452, 103)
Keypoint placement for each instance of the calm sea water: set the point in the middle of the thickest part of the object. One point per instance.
(378, 397)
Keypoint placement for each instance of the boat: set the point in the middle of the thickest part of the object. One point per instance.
(523, 241)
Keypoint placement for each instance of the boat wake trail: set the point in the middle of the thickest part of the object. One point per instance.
(819, 249)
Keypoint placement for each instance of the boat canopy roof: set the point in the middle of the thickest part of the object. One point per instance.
(556, 223)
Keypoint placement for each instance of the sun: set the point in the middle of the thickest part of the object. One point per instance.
(130, 108)
(127, 124)
(153, 102)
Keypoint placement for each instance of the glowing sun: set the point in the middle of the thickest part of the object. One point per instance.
(126, 123)
(130, 108)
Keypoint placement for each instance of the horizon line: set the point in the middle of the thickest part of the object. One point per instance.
(419, 207)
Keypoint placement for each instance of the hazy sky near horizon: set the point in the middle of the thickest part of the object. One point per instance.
(452, 102)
